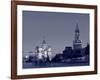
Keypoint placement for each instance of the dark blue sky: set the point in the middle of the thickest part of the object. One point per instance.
(58, 29)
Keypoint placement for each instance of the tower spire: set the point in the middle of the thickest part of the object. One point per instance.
(77, 28)
(77, 42)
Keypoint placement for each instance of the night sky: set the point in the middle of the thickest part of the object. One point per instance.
(58, 29)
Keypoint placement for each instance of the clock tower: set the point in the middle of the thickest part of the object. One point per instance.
(77, 43)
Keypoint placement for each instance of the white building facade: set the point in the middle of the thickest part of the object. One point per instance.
(43, 52)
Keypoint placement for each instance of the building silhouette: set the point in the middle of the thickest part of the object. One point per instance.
(68, 52)
(76, 51)
(70, 56)
(77, 43)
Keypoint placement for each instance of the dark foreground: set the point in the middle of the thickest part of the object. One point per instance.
(33, 65)
(67, 63)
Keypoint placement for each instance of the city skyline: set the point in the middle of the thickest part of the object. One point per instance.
(58, 29)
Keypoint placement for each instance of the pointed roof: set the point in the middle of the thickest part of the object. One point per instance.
(77, 28)
(43, 42)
